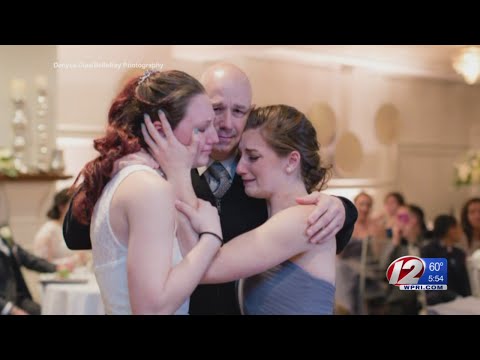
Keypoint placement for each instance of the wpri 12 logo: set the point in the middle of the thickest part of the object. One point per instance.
(414, 273)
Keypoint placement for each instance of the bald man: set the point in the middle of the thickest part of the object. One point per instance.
(230, 92)
(231, 95)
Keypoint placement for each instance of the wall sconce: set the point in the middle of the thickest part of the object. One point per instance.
(467, 64)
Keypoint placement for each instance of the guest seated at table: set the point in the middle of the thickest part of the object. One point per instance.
(446, 234)
(408, 237)
(359, 283)
(49, 243)
(470, 220)
(392, 202)
(15, 298)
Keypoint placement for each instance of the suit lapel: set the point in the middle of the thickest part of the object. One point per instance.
(4, 247)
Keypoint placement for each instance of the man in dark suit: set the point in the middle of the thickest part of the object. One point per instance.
(15, 298)
(446, 234)
(230, 92)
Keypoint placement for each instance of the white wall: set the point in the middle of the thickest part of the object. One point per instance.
(25, 204)
(439, 119)
(85, 93)
(26, 62)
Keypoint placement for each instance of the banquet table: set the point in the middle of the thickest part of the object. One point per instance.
(77, 295)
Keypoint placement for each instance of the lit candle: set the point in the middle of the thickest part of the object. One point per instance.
(41, 82)
(18, 88)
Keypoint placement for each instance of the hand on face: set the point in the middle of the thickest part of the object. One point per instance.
(327, 218)
(171, 154)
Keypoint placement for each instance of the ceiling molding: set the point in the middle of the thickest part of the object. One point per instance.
(401, 60)
(360, 62)
(203, 53)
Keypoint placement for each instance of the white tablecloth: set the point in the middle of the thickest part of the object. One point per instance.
(469, 305)
(72, 299)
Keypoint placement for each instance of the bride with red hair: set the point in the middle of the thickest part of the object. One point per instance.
(137, 260)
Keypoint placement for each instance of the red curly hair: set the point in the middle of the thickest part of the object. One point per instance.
(170, 91)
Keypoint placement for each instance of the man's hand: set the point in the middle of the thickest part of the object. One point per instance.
(327, 218)
(66, 266)
(17, 311)
(65, 269)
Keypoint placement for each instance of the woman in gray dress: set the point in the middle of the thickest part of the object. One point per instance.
(283, 273)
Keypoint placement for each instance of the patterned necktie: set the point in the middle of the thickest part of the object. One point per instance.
(220, 174)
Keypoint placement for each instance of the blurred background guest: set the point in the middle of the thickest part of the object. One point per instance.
(359, 281)
(49, 243)
(408, 237)
(470, 220)
(446, 234)
(15, 297)
(391, 204)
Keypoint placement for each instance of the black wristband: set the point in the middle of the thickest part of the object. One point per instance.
(213, 234)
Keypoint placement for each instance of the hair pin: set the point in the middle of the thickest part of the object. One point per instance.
(146, 75)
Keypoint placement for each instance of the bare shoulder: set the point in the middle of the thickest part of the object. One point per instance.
(145, 186)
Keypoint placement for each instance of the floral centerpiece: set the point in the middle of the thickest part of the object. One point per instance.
(467, 172)
(7, 166)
